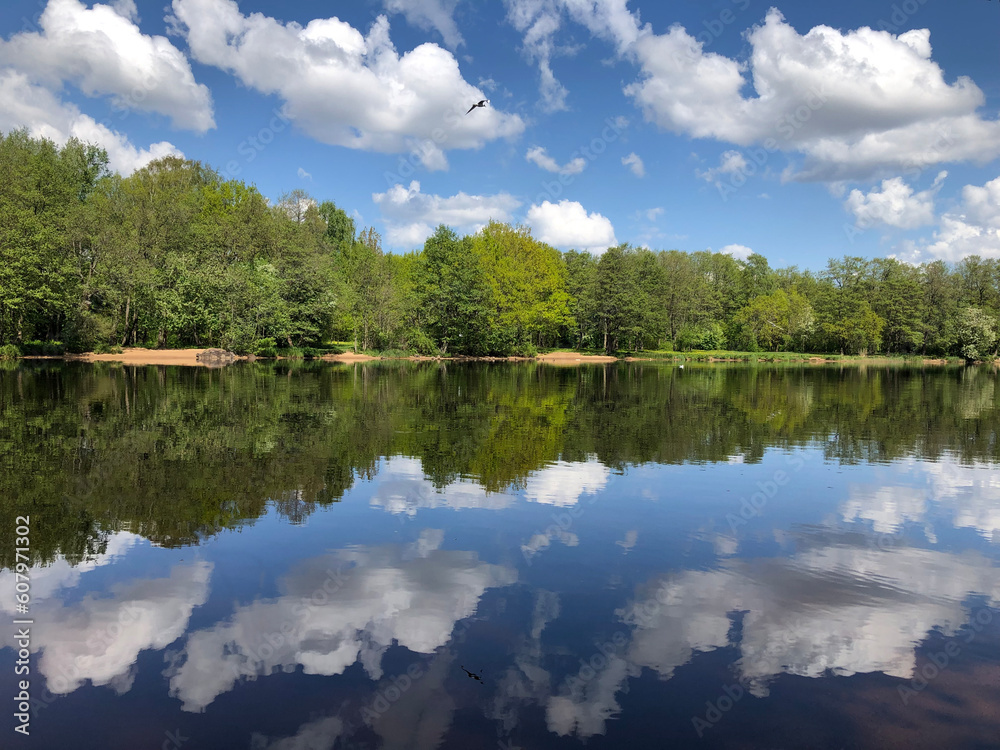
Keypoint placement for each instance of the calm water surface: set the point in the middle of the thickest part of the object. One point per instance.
(504, 556)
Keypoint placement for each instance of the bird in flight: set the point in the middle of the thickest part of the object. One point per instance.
(480, 103)
(473, 675)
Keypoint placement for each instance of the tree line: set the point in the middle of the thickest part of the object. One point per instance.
(174, 255)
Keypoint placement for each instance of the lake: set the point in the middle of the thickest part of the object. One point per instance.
(300, 556)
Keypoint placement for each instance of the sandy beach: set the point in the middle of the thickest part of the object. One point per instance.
(348, 357)
(572, 358)
(140, 356)
(189, 357)
(184, 357)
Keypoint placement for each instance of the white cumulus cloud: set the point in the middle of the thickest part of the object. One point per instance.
(740, 252)
(60, 573)
(44, 115)
(411, 216)
(568, 225)
(972, 228)
(345, 88)
(430, 15)
(895, 204)
(540, 20)
(855, 103)
(402, 487)
(102, 51)
(634, 162)
(730, 163)
(540, 157)
(843, 626)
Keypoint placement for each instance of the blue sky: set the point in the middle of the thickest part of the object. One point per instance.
(801, 131)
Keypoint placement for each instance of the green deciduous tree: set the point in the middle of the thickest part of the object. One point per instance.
(454, 298)
(777, 320)
(527, 287)
(977, 334)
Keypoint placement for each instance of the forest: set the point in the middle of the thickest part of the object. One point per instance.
(175, 256)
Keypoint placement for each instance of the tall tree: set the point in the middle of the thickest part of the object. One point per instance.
(455, 299)
(527, 286)
(620, 297)
(581, 284)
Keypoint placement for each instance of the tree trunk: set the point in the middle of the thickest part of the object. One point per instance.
(128, 306)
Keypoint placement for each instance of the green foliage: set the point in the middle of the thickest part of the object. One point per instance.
(340, 227)
(174, 256)
(42, 349)
(977, 334)
(454, 298)
(621, 300)
(526, 286)
(9, 351)
(705, 337)
(266, 347)
(775, 320)
(422, 343)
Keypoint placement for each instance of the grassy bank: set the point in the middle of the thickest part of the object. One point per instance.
(808, 357)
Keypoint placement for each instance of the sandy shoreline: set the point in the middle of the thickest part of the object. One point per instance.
(572, 358)
(189, 358)
(181, 357)
(140, 356)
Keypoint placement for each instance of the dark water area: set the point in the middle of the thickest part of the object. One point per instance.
(425, 555)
